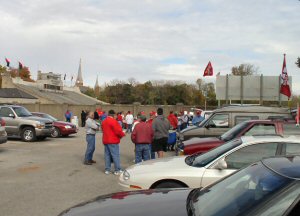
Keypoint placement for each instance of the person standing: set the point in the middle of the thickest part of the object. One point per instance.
(150, 121)
(197, 118)
(68, 116)
(112, 133)
(173, 120)
(142, 136)
(129, 121)
(91, 128)
(161, 127)
(83, 118)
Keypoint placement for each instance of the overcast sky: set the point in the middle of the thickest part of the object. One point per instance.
(150, 39)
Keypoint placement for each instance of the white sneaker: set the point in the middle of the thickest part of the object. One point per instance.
(118, 172)
(107, 172)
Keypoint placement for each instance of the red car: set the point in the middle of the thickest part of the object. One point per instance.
(60, 128)
(247, 128)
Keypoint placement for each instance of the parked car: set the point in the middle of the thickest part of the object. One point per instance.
(200, 170)
(223, 119)
(20, 122)
(247, 128)
(267, 187)
(3, 134)
(60, 128)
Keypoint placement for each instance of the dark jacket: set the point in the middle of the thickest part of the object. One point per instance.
(142, 133)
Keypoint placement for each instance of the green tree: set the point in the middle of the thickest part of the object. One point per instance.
(244, 69)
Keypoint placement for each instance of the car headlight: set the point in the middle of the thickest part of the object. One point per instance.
(126, 175)
(68, 127)
(40, 125)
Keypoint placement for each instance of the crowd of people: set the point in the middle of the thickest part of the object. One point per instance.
(151, 136)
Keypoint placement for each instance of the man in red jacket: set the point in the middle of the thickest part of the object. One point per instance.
(112, 133)
(173, 120)
(142, 136)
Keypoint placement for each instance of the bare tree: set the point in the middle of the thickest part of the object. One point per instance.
(244, 69)
(298, 62)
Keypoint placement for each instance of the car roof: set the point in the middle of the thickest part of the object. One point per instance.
(270, 138)
(253, 109)
(288, 166)
(284, 121)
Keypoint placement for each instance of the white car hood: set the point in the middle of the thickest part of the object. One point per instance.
(159, 165)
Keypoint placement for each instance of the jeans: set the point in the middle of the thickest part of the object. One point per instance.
(151, 152)
(129, 128)
(142, 152)
(112, 153)
(90, 139)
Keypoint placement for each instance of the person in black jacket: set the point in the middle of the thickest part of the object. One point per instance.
(83, 118)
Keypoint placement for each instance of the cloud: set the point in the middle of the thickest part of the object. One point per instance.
(148, 39)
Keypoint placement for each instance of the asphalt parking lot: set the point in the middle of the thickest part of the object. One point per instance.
(44, 178)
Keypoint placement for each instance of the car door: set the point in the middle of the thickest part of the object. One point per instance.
(11, 125)
(238, 159)
(217, 125)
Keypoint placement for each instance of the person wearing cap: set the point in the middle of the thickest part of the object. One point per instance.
(112, 133)
(142, 136)
(161, 127)
(91, 127)
(197, 118)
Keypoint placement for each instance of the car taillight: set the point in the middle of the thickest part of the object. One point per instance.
(2, 122)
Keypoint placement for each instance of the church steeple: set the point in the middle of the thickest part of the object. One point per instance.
(97, 88)
(79, 80)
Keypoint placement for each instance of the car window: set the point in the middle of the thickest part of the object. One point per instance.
(280, 205)
(4, 112)
(291, 129)
(261, 129)
(292, 149)
(250, 154)
(240, 119)
(219, 121)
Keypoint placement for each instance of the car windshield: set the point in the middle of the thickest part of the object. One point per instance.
(233, 132)
(245, 191)
(22, 112)
(200, 160)
(203, 122)
(47, 116)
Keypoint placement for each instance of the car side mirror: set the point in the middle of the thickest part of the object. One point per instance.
(11, 115)
(221, 164)
(207, 126)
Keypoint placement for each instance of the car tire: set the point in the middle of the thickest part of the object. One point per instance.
(169, 184)
(28, 134)
(55, 133)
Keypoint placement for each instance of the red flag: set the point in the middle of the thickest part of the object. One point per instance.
(209, 71)
(7, 62)
(285, 87)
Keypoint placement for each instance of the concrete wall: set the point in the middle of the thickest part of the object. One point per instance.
(59, 110)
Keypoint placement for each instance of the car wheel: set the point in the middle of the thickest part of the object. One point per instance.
(169, 184)
(55, 133)
(28, 134)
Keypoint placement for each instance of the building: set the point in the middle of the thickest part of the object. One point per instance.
(49, 82)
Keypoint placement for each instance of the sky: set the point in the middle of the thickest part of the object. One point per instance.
(150, 39)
